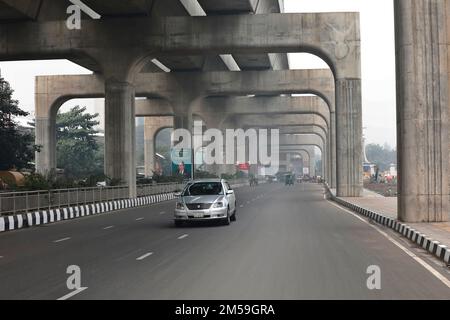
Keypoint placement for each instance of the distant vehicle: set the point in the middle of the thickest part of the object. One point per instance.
(207, 199)
(289, 179)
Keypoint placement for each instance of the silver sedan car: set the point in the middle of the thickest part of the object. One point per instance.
(208, 199)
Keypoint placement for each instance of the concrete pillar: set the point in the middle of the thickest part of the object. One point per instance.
(46, 138)
(152, 126)
(312, 160)
(422, 110)
(149, 153)
(46, 106)
(349, 138)
(305, 159)
(215, 121)
(332, 142)
(120, 133)
(182, 120)
(288, 160)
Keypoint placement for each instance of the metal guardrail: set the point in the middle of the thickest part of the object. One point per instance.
(29, 201)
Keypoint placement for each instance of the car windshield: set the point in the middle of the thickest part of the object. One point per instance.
(204, 188)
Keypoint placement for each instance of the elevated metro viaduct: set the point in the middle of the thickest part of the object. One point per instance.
(119, 47)
(53, 91)
(143, 40)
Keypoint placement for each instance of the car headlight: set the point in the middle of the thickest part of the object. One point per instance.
(179, 206)
(218, 205)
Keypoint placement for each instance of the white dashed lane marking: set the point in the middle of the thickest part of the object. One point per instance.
(183, 236)
(162, 212)
(108, 227)
(73, 293)
(139, 219)
(144, 256)
(61, 240)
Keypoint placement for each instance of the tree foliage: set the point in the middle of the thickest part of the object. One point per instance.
(77, 145)
(16, 147)
(382, 156)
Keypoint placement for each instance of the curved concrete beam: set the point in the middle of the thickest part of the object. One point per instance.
(335, 37)
(279, 121)
(52, 91)
(219, 109)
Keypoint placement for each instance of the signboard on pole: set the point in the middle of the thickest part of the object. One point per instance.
(181, 161)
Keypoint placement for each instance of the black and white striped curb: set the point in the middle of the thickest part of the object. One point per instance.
(434, 247)
(30, 219)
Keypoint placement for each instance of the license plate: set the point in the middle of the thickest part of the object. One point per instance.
(198, 214)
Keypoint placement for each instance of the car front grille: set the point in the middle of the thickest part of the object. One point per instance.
(198, 206)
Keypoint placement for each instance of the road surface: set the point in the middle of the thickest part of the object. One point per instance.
(287, 243)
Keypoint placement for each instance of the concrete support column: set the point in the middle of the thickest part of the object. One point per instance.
(46, 108)
(46, 138)
(182, 120)
(149, 153)
(288, 160)
(152, 126)
(312, 161)
(328, 158)
(120, 133)
(422, 110)
(332, 143)
(215, 121)
(306, 161)
(323, 164)
(349, 138)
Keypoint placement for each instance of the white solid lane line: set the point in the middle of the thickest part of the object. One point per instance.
(162, 212)
(61, 240)
(144, 256)
(183, 236)
(433, 271)
(139, 219)
(108, 227)
(73, 293)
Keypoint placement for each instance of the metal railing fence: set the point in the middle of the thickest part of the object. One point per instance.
(30, 201)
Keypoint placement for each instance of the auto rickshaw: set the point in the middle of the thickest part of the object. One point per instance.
(289, 180)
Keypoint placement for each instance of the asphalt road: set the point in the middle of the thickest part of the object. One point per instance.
(287, 243)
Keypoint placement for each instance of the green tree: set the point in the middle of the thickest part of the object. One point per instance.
(382, 156)
(16, 147)
(77, 146)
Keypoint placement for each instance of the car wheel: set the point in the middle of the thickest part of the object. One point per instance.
(233, 217)
(227, 220)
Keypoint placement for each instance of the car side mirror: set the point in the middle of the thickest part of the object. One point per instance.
(230, 192)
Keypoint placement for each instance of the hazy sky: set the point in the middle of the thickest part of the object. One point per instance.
(378, 65)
